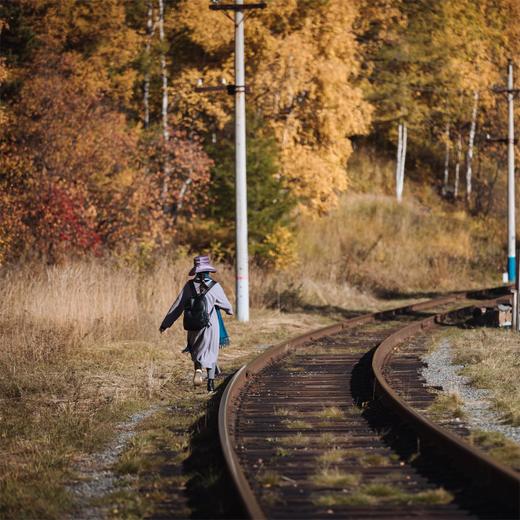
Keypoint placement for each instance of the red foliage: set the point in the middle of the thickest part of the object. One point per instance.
(60, 222)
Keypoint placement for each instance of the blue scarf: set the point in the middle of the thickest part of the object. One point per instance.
(223, 334)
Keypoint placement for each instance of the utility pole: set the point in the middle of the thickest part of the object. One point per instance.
(242, 260)
(239, 90)
(511, 225)
(511, 141)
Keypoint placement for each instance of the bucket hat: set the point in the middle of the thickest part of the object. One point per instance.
(201, 264)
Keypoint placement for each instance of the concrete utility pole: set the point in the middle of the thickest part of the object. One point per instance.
(242, 260)
(510, 91)
(511, 226)
(239, 91)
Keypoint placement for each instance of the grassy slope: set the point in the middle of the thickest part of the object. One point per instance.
(423, 244)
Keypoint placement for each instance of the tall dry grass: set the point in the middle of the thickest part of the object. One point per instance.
(80, 350)
(103, 297)
(373, 243)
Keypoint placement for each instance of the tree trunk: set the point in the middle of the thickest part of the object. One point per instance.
(469, 159)
(403, 158)
(164, 110)
(146, 89)
(182, 194)
(446, 161)
(401, 150)
(398, 161)
(457, 166)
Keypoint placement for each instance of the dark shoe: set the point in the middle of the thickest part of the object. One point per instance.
(211, 385)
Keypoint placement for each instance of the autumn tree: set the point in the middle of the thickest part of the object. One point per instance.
(302, 67)
(435, 66)
(76, 163)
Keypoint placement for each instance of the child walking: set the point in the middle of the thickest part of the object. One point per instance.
(202, 300)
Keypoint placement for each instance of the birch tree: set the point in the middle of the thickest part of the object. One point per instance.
(401, 160)
(446, 161)
(457, 166)
(150, 29)
(469, 159)
(303, 63)
(164, 110)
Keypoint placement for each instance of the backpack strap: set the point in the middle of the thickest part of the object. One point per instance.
(205, 290)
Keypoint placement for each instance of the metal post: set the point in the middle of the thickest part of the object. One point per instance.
(510, 140)
(242, 278)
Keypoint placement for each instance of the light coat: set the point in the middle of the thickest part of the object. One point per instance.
(204, 344)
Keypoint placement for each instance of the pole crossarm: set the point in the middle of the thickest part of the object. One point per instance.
(237, 7)
(505, 90)
(229, 89)
(504, 140)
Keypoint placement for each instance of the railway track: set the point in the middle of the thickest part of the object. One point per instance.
(320, 426)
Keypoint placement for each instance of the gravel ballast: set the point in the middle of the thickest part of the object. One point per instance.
(477, 403)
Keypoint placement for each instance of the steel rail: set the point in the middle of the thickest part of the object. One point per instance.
(231, 396)
(501, 480)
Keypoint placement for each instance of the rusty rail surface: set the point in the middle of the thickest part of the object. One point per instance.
(231, 395)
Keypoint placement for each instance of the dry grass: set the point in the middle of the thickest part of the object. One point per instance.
(287, 412)
(269, 479)
(333, 456)
(383, 493)
(79, 352)
(373, 242)
(298, 440)
(335, 478)
(332, 413)
(296, 424)
(491, 361)
(499, 447)
(447, 405)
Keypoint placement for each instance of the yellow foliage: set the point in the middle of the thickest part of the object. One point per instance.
(302, 64)
(282, 249)
(100, 28)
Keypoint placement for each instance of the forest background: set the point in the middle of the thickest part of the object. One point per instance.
(107, 150)
(114, 171)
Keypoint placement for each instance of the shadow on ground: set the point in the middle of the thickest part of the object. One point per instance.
(210, 491)
(422, 456)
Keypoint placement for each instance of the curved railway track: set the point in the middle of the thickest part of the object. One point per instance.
(332, 424)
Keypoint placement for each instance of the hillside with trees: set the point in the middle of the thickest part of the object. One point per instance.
(106, 148)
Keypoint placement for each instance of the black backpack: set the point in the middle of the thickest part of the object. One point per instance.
(196, 315)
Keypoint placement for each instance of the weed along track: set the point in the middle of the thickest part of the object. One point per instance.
(330, 425)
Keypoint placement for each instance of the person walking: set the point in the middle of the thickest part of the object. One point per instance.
(201, 300)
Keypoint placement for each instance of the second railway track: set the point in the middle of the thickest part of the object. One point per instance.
(307, 431)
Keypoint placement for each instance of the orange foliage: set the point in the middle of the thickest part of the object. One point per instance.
(77, 175)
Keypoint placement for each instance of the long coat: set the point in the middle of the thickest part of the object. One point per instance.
(204, 344)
